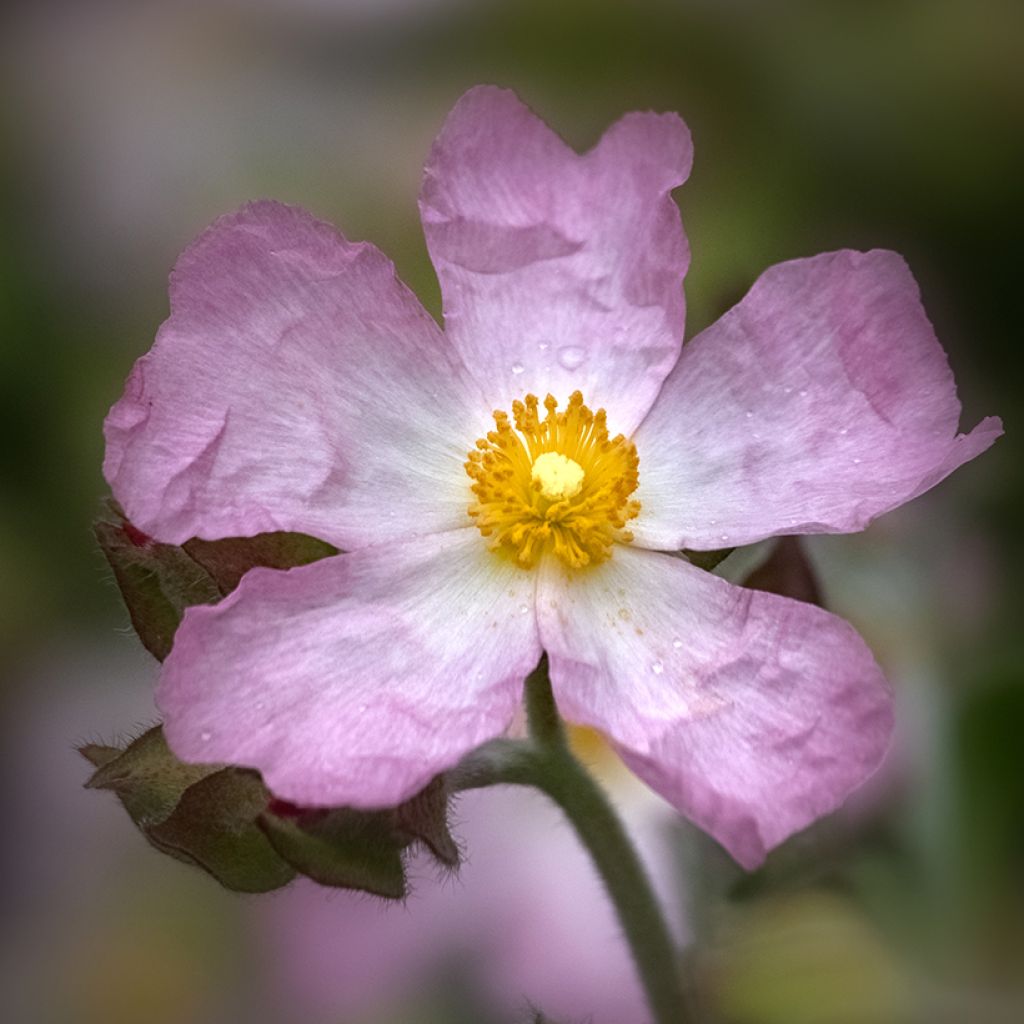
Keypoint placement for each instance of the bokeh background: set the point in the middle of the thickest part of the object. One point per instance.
(126, 127)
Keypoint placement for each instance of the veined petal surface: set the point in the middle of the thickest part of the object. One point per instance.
(356, 679)
(753, 714)
(297, 385)
(819, 402)
(559, 271)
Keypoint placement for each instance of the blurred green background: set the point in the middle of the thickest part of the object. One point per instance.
(820, 124)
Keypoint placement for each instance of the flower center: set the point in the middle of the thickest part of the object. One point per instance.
(559, 477)
(554, 484)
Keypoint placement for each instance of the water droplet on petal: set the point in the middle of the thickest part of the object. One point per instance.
(523, 609)
(571, 356)
(363, 707)
(518, 368)
(803, 394)
(856, 462)
(543, 344)
(749, 415)
(844, 431)
(788, 391)
(206, 735)
(677, 643)
(657, 668)
(723, 536)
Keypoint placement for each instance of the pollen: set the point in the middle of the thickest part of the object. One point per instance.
(553, 484)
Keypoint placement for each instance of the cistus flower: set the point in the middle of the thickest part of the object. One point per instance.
(524, 481)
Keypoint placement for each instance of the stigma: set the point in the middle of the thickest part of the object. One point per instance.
(554, 485)
(557, 476)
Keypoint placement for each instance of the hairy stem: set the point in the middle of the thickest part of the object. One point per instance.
(545, 762)
(542, 717)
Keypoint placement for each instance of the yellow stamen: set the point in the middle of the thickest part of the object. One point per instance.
(556, 484)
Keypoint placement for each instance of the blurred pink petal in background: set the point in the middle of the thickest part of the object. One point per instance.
(525, 915)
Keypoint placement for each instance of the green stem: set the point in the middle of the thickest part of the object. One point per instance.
(542, 717)
(545, 762)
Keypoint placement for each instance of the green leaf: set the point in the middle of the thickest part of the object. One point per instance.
(204, 815)
(228, 560)
(357, 849)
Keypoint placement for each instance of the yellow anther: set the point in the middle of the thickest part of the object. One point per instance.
(554, 484)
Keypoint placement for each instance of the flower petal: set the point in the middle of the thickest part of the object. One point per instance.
(753, 714)
(356, 679)
(559, 271)
(819, 402)
(297, 385)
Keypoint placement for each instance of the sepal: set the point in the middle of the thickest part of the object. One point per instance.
(358, 849)
(228, 560)
(222, 819)
(708, 560)
(788, 572)
(159, 581)
(200, 814)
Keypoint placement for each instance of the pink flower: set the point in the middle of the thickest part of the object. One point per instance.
(297, 385)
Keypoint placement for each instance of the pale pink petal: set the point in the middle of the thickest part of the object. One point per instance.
(753, 714)
(819, 402)
(356, 679)
(559, 271)
(297, 385)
